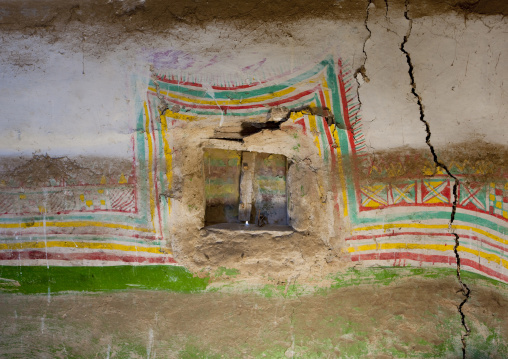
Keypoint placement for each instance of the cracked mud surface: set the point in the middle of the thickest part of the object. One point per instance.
(411, 317)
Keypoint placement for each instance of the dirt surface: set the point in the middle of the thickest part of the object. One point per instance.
(411, 317)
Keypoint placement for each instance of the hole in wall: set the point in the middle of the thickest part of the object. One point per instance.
(245, 189)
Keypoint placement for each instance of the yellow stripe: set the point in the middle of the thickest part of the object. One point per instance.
(270, 96)
(296, 115)
(481, 231)
(431, 226)
(312, 123)
(435, 247)
(313, 130)
(74, 224)
(180, 116)
(316, 142)
(326, 92)
(335, 135)
(82, 245)
(150, 163)
(168, 157)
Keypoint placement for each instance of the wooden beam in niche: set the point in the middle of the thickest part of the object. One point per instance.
(246, 188)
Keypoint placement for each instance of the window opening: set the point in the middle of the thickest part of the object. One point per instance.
(245, 187)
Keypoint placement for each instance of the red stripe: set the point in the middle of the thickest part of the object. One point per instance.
(344, 101)
(178, 82)
(322, 98)
(243, 107)
(220, 88)
(302, 123)
(328, 136)
(430, 259)
(95, 256)
(416, 204)
(347, 110)
(217, 87)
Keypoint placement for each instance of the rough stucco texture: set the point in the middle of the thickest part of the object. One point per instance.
(387, 120)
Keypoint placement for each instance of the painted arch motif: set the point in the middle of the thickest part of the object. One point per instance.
(402, 222)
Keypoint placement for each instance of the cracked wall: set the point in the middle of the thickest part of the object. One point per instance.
(391, 115)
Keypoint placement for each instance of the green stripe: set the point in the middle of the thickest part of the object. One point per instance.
(39, 279)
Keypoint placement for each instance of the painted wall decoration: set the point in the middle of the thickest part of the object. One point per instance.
(395, 216)
(222, 185)
(86, 218)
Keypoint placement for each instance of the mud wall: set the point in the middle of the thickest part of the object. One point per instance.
(391, 116)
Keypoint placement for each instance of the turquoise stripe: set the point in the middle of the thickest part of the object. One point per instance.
(141, 161)
(239, 95)
(160, 160)
(423, 216)
(331, 79)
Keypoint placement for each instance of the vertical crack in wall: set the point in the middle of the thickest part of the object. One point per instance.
(463, 287)
(361, 71)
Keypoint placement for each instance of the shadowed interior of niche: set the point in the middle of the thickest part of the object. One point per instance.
(246, 190)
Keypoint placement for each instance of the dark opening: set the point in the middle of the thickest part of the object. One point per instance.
(243, 187)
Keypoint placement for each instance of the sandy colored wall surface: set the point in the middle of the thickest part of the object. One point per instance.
(391, 116)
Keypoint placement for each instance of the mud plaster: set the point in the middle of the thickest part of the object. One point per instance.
(411, 316)
(308, 250)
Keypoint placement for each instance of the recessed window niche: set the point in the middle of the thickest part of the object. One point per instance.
(245, 188)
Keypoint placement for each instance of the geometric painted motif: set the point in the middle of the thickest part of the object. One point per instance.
(68, 199)
(374, 196)
(436, 191)
(491, 198)
(473, 196)
(498, 199)
(402, 193)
